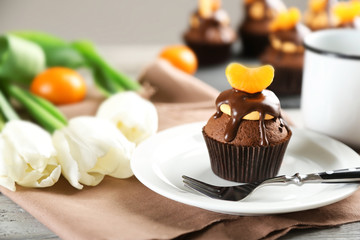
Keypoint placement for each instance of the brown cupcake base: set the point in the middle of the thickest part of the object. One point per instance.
(253, 45)
(210, 54)
(288, 71)
(254, 36)
(287, 81)
(245, 163)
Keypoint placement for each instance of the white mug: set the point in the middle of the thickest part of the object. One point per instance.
(330, 99)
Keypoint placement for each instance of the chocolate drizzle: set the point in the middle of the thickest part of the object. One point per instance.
(241, 104)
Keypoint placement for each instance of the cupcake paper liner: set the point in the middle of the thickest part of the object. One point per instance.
(253, 44)
(287, 81)
(288, 77)
(209, 54)
(245, 163)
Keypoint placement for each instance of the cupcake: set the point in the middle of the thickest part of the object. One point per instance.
(210, 35)
(286, 52)
(318, 16)
(247, 137)
(254, 30)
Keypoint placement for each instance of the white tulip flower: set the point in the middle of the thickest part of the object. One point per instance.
(27, 156)
(90, 148)
(134, 116)
(5, 180)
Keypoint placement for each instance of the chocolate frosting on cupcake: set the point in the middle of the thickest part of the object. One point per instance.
(241, 104)
(248, 133)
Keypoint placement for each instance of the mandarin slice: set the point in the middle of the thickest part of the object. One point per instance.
(208, 7)
(286, 20)
(346, 11)
(216, 5)
(205, 8)
(250, 80)
(318, 5)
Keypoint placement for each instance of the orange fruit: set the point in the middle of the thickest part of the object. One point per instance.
(250, 80)
(181, 57)
(59, 85)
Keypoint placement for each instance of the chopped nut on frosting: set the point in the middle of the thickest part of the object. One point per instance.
(225, 108)
(285, 46)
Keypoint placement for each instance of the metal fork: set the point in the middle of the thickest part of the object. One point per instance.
(239, 192)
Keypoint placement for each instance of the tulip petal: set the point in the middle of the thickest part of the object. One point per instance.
(30, 142)
(5, 180)
(134, 116)
(107, 166)
(90, 148)
(69, 167)
(29, 157)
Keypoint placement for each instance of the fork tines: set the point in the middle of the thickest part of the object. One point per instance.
(204, 188)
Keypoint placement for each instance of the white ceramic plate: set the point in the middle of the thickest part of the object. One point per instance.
(160, 161)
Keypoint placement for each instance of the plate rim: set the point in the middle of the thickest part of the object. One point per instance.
(187, 197)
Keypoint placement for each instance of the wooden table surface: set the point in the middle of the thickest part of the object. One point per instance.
(16, 223)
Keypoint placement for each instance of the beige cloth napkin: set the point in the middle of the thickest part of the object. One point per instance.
(126, 209)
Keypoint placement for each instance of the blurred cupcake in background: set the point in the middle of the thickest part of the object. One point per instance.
(286, 52)
(254, 30)
(319, 15)
(210, 35)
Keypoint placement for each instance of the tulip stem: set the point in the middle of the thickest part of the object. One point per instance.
(105, 76)
(2, 122)
(45, 114)
(6, 111)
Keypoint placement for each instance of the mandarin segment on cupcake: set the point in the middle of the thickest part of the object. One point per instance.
(318, 5)
(249, 80)
(208, 7)
(345, 12)
(247, 137)
(286, 20)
